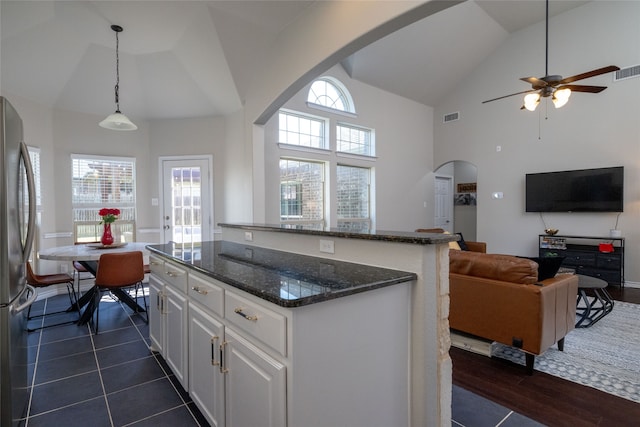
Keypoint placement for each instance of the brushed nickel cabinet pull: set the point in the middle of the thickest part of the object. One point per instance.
(200, 291)
(250, 317)
(223, 369)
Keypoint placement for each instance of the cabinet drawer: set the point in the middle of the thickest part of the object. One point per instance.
(609, 262)
(156, 264)
(203, 290)
(580, 258)
(175, 276)
(259, 321)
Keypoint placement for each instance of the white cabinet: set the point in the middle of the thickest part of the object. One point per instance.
(176, 336)
(156, 320)
(255, 385)
(253, 363)
(232, 381)
(168, 309)
(206, 379)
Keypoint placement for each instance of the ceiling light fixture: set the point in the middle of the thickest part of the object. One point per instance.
(117, 120)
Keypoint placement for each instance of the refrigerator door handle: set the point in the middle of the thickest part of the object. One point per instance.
(32, 297)
(31, 227)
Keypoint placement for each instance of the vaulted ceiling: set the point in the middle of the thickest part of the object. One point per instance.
(191, 58)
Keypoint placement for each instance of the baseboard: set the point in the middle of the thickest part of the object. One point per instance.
(471, 343)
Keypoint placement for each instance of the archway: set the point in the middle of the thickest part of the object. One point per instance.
(465, 178)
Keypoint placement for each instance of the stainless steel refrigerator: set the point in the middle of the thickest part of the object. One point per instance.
(17, 226)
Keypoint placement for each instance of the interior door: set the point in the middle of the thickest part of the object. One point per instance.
(187, 213)
(443, 203)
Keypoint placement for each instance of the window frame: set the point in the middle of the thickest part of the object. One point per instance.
(84, 214)
(300, 219)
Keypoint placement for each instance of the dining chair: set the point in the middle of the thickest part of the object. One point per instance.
(80, 273)
(45, 280)
(117, 271)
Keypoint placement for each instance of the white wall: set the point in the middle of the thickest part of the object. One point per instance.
(592, 130)
(404, 147)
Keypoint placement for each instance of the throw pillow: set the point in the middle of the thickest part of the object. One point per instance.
(462, 243)
(547, 266)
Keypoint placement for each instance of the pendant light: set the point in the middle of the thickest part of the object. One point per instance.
(117, 120)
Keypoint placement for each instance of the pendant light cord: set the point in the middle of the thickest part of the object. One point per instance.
(117, 88)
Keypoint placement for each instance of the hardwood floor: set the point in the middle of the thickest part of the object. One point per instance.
(547, 399)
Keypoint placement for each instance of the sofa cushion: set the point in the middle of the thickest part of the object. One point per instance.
(506, 268)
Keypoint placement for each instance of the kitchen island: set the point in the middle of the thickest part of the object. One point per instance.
(287, 335)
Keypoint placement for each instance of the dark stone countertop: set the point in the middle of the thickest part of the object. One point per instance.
(283, 278)
(380, 235)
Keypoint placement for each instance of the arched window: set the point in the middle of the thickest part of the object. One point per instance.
(330, 93)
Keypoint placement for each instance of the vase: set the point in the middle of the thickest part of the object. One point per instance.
(107, 237)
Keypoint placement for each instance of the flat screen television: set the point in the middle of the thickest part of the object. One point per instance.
(585, 190)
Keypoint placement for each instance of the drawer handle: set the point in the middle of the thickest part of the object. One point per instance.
(172, 274)
(154, 263)
(200, 291)
(253, 318)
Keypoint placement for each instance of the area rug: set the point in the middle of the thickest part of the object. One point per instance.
(605, 356)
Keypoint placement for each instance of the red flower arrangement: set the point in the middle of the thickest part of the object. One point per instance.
(108, 215)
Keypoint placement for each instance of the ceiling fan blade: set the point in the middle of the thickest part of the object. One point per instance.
(591, 73)
(506, 96)
(584, 88)
(535, 82)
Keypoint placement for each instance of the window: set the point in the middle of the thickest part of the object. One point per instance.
(99, 182)
(298, 129)
(302, 192)
(353, 140)
(330, 93)
(186, 191)
(353, 184)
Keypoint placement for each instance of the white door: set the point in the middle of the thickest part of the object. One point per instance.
(443, 203)
(187, 214)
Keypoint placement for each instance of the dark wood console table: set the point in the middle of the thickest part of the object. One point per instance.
(582, 253)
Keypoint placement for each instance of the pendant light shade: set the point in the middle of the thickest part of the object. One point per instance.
(117, 120)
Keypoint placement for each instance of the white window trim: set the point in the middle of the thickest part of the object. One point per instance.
(331, 110)
(293, 147)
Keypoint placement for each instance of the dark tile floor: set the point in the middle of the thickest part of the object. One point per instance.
(112, 379)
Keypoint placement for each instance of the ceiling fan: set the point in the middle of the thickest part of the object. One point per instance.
(554, 85)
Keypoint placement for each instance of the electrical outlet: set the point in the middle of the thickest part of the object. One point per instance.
(248, 236)
(326, 246)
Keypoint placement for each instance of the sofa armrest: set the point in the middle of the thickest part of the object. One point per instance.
(477, 246)
(535, 315)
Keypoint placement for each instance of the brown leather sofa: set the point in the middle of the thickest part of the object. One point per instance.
(499, 298)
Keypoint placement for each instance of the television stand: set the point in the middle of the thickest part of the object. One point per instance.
(582, 254)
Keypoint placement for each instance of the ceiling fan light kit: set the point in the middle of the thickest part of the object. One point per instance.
(117, 120)
(555, 86)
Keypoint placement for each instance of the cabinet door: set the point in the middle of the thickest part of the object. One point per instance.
(206, 382)
(176, 342)
(156, 319)
(255, 385)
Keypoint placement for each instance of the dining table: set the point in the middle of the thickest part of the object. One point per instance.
(88, 256)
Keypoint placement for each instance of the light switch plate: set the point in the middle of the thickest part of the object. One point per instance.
(326, 246)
